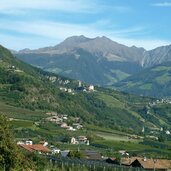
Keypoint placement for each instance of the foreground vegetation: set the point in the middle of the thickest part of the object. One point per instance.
(12, 158)
(23, 86)
(111, 119)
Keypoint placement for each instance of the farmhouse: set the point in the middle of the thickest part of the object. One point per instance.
(143, 163)
(55, 151)
(35, 148)
(80, 140)
(152, 164)
(91, 88)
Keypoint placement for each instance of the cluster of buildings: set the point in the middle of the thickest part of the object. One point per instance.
(14, 69)
(83, 88)
(167, 132)
(30, 147)
(42, 148)
(68, 90)
(80, 140)
(56, 79)
(130, 162)
(88, 89)
(161, 101)
(143, 163)
(61, 120)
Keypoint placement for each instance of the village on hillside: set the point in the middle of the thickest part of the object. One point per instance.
(74, 124)
(142, 162)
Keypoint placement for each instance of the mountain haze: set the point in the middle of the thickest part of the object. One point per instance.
(99, 46)
(154, 81)
(98, 61)
(24, 86)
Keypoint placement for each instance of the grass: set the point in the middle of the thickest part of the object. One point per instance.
(161, 68)
(146, 86)
(108, 143)
(115, 137)
(22, 124)
(110, 101)
(20, 113)
(120, 75)
(163, 79)
(106, 140)
(97, 129)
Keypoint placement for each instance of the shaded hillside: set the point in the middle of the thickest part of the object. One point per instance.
(22, 85)
(155, 81)
(157, 56)
(99, 61)
(82, 65)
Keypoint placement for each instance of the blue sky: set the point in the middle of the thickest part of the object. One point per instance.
(39, 23)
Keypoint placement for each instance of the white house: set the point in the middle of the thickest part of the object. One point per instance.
(79, 84)
(80, 140)
(69, 90)
(56, 151)
(74, 141)
(64, 125)
(20, 142)
(91, 88)
(168, 132)
(70, 128)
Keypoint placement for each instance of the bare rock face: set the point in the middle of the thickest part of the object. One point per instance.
(158, 56)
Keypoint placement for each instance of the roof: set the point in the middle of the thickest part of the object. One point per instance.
(82, 138)
(128, 161)
(35, 147)
(151, 163)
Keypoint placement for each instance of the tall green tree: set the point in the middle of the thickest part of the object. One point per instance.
(10, 156)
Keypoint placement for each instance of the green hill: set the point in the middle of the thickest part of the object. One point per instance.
(25, 87)
(154, 82)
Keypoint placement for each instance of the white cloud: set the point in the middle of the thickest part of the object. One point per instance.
(60, 5)
(162, 4)
(58, 30)
(37, 33)
(45, 33)
(73, 6)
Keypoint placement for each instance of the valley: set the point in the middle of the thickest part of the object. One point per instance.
(85, 85)
(101, 61)
(119, 117)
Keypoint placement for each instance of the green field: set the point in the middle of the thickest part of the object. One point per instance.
(20, 113)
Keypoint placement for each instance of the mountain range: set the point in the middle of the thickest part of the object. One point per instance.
(23, 86)
(99, 61)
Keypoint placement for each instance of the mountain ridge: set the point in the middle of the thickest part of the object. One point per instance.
(29, 87)
(101, 46)
(22, 85)
(105, 47)
(98, 61)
